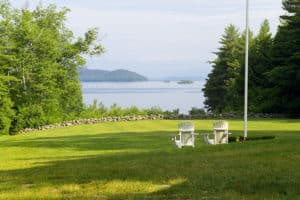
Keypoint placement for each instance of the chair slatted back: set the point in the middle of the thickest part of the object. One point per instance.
(186, 131)
(221, 125)
(221, 132)
(186, 127)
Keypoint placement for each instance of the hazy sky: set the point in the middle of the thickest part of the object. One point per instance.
(161, 38)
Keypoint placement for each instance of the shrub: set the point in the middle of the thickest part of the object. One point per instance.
(133, 110)
(155, 110)
(6, 113)
(197, 111)
(99, 110)
(95, 110)
(171, 113)
(5, 123)
(115, 111)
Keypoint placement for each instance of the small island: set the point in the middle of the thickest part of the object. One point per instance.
(183, 82)
(120, 75)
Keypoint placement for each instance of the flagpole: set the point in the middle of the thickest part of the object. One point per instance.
(246, 72)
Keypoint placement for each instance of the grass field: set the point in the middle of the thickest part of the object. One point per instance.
(137, 160)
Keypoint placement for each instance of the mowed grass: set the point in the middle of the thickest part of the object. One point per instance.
(137, 160)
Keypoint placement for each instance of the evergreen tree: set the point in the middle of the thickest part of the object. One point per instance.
(260, 63)
(284, 91)
(231, 59)
(218, 88)
(274, 69)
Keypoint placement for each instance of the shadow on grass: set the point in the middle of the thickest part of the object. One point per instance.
(233, 139)
(161, 171)
(104, 141)
(126, 140)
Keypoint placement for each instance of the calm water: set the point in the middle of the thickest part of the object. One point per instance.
(167, 96)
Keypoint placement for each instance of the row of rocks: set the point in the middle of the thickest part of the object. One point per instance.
(150, 117)
(93, 121)
(223, 116)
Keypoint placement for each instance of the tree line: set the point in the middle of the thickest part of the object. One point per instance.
(274, 68)
(39, 58)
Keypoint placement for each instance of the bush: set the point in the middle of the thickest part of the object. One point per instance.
(33, 116)
(94, 111)
(133, 110)
(5, 123)
(197, 111)
(155, 110)
(6, 113)
(99, 110)
(172, 113)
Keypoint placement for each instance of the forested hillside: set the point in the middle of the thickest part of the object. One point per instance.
(90, 75)
(274, 68)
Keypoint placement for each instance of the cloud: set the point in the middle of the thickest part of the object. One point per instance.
(153, 34)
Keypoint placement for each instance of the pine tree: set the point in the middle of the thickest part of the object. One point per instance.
(260, 63)
(218, 89)
(285, 76)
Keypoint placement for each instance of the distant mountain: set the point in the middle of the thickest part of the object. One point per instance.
(92, 75)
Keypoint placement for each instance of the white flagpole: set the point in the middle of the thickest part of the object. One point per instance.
(246, 71)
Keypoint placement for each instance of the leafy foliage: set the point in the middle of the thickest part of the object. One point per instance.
(98, 110)
(197, 111)
(42, 56)
(6, 60)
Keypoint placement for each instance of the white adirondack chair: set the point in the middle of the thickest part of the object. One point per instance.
(186, 136)
(220, 134)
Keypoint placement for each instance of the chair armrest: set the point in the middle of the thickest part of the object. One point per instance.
(174, 137)
(196, 133)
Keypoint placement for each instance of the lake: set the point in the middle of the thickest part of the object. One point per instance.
(168, 96)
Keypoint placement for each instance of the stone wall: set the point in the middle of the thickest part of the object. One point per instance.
(93, 121)
(150, 117)
(223, 116)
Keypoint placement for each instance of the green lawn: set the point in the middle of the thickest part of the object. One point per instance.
(137, 160)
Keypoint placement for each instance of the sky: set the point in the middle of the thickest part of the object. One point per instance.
(161, 38)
